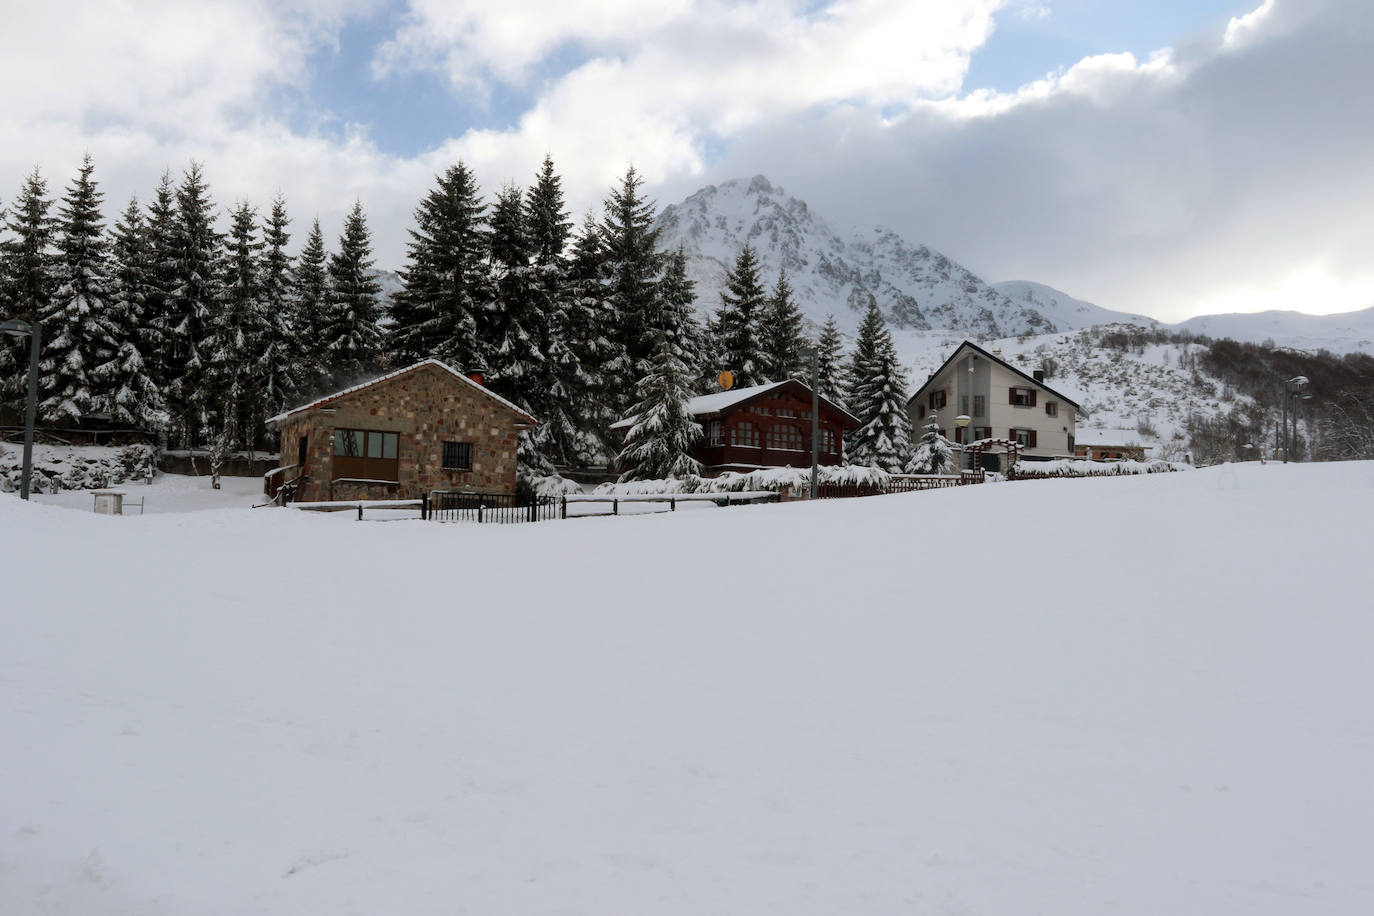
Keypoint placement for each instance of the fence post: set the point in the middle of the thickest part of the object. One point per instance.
(479, 512)
(563, 508)
(534, 506)
(424, 506)
(615, 507)
(672, 504)
(360, 512)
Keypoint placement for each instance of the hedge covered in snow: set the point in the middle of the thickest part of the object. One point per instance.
(763, 479)
(1066, 467)
(75, 467)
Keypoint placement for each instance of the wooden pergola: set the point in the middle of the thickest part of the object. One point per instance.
(1011, 447)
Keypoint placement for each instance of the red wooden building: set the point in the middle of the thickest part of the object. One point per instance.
(764, 426)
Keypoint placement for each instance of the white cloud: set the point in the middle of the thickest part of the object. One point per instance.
(1201, 176)
(1242, 28)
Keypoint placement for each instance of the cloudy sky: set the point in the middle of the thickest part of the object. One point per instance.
(1171, 157)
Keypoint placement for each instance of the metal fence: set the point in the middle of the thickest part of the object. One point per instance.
(493, 508)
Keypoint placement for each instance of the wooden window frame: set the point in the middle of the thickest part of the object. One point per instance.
(362, 466)
(736, 438)
(1015, 435)
(1021, 397)
(779, 433)
(1051, 408)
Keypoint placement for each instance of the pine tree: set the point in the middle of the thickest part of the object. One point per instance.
(78, 334)
(679, 320)
(934, 454)
(631, 268)
(27, 279)
(351, 338)
(195, 300)
(782, 344)
(861, 360)
(159, 308)
(129, 393)
(446, 284)
(662, 432)
(736, 328)
(878, 399)
(278, 362)
(590, 331)
(237, 333)
(560, 399)
(512, 322)
(308, 293)
(831, 367)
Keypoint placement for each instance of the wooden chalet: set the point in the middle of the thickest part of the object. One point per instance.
(764, 426)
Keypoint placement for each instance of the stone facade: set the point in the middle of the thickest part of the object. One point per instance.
(425, 405)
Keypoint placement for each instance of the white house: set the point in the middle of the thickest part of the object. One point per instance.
(1001, 401)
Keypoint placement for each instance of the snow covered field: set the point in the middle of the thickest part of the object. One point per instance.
(170, 493)
(1140, 695)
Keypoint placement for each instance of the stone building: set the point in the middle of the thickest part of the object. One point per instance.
(422, 428)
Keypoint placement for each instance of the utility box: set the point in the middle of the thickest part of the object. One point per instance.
(109, 502)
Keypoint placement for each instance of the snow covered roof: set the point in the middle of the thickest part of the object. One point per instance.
(995, 358)
(705, 404)
(1103, 437)
(391, 375)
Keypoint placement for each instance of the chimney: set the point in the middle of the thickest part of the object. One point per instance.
(478, 373)
(1039, 375)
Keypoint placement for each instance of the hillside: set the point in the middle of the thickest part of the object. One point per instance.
(191, 730)
(833, 272)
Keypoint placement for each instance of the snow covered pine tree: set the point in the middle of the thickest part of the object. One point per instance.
(934, 454)
(878, 398)
(662, 433)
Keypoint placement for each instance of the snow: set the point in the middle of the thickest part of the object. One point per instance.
(390, 375)
(864, 707)
(171, 493)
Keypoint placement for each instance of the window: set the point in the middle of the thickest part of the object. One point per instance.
(828, 442)
(937, 400)
(1025, 437)
(744, 434)
(785, 437)
(963, 403)
(1022, 397)
(713, 433)
(1051, 408)
(786, 412)
(363, 454)
(980, 405)
(457, 456)
(982, 432)
(959, 435)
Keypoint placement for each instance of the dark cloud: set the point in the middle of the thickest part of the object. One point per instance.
(1150, 192)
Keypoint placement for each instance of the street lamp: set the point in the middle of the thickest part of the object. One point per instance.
(34, 331)
(1293, 389)
(962, 421)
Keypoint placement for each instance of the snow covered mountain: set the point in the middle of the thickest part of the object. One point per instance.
(833, 272)
(1347, 332)
(1067, 313)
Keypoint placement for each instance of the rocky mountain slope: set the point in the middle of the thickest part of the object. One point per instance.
(833, 272)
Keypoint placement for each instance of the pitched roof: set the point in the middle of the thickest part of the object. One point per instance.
(318, 402)
(706, 404)
(996, 359)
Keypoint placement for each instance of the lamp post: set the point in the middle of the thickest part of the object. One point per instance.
(962, 422)
(34, 331)
(1293, 389)
(815, 423)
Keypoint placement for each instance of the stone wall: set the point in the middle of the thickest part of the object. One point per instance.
(426, 407)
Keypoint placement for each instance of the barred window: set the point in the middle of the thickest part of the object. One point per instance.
(458, 456)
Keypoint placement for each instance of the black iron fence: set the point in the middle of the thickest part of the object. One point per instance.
(494, 508)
